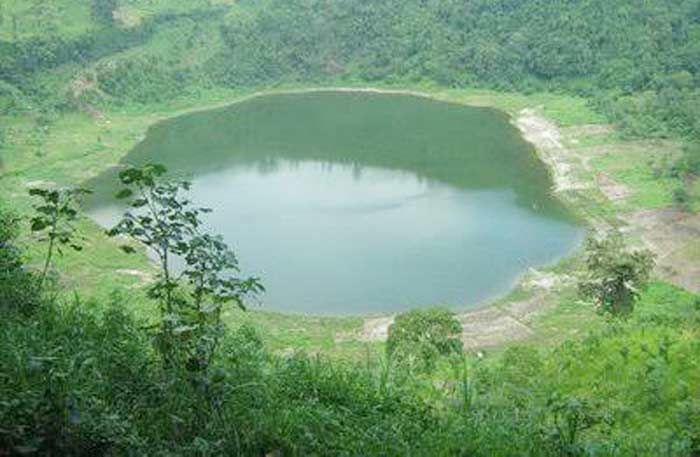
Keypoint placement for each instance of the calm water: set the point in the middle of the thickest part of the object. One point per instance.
(359, 203)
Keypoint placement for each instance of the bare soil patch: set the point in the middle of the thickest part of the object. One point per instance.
(376, 328)
(674, 236)
(612, 189)
(547, 139)
(143, 276)
(491, 326)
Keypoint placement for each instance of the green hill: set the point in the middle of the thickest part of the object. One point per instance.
(636, 60)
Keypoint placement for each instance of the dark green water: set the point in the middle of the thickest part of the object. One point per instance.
(348, 203)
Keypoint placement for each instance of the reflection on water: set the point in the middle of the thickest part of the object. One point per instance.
(334, 233)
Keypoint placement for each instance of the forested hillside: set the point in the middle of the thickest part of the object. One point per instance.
(636, 60)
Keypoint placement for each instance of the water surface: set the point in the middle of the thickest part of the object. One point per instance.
(349, 203)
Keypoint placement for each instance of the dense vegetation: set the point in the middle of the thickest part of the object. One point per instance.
(92, 378)
(635, 59)
(638, 61)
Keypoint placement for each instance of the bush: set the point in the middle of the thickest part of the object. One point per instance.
(19, 289)
(70, 382)
(614, 275)
(420, 337)
(681, 198)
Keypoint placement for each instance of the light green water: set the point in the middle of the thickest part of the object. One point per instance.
(350, 203)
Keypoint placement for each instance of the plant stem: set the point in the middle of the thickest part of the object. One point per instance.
(49, 254)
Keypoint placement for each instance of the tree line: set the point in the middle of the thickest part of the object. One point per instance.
(636, 61)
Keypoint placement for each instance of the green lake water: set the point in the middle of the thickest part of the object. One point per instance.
(353, 203)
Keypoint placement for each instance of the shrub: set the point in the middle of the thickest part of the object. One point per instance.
(420, 337)
(614, 275)
(19, 289)
(71, 382)
(54, 220)
(192, 301)
(681, 197)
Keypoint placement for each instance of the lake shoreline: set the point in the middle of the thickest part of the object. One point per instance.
(474, 152)
(498, 320)
(537, 295)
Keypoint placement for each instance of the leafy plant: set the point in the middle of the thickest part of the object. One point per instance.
(614, 275)
(191, 298)
(9, 229)
(18, 287)
(420, 337)
(681, 197)
(689, 425)
(571, 417)
(54, 220)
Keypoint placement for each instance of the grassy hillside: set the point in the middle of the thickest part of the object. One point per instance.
(77, 383)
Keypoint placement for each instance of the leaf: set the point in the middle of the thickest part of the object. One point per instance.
(183, 329)
(130, 175)
(124, 193)
(127, 249)
(36, 192)
(38, 225)
(45, 209)
(156, 168)
(53, 196)
(69, 212)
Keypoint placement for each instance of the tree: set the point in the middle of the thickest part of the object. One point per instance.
(420, 337)
(191, 299)
(54, 220)
(614, 275)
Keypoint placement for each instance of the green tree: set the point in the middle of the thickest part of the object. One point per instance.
(614, 274)
(191, 298)
(420, 337)
(54, 220)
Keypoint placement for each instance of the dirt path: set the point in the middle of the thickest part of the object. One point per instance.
(674, 236)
